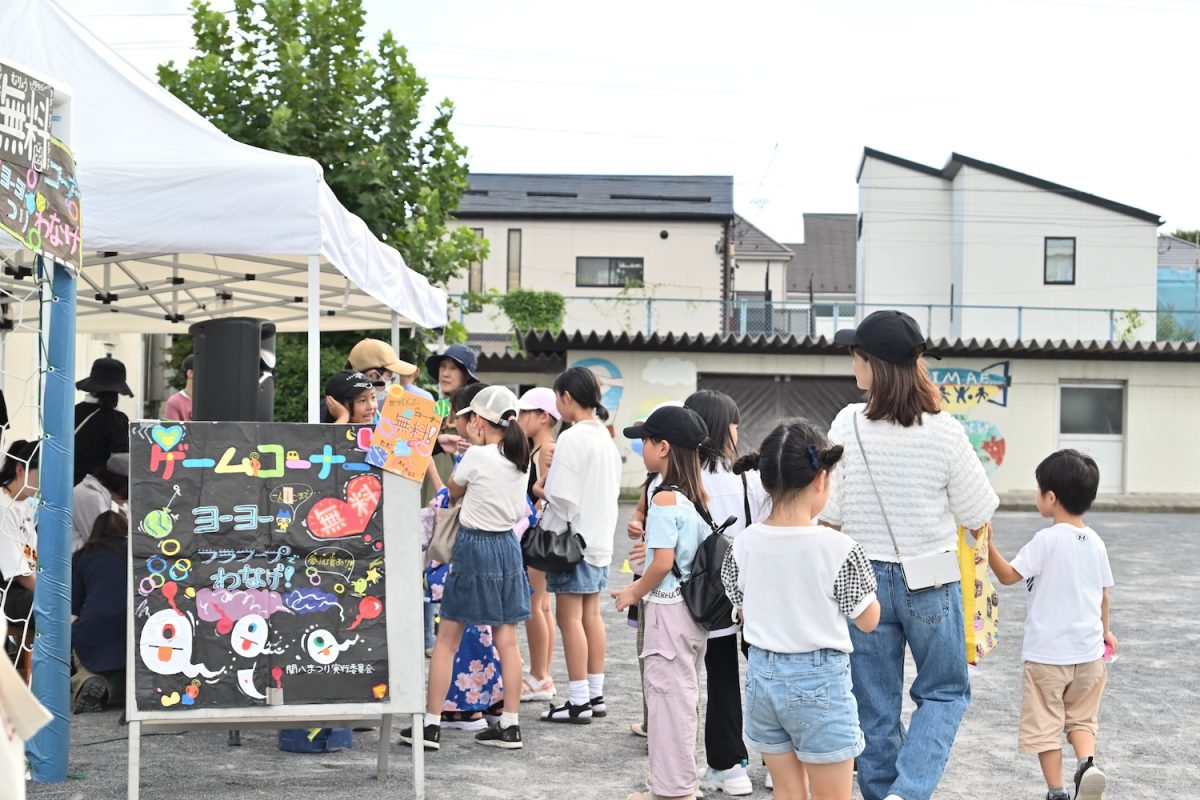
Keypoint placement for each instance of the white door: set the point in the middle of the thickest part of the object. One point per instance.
(1091, 419)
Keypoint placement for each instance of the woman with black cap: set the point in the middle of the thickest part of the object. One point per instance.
(909, 478)
(100, 429)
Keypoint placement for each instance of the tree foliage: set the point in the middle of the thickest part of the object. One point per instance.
(1188, 236)
(294, 76)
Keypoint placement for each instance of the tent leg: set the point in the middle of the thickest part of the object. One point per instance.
(314, 339)
(395, 331)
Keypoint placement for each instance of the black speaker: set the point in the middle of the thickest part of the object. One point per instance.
(234, 370)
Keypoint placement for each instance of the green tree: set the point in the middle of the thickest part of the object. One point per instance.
(293, 76)
(1188, 236)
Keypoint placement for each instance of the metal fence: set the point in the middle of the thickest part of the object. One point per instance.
(649, 315)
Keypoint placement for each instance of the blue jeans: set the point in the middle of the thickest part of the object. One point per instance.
(909, 763)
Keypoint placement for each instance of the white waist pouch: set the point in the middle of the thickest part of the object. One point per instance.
(930, 571)
(920, 572)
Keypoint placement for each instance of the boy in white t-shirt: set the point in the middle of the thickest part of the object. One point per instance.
(1066, 571)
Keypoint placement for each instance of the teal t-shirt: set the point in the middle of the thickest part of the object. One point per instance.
(680, 528)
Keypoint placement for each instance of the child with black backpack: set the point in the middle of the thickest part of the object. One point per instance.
(674, 642)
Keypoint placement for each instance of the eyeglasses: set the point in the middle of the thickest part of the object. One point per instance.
(380, 376)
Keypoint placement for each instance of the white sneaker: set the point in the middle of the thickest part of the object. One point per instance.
(732, 781)
(770, 783)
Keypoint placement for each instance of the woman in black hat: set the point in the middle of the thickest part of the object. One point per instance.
(100, 429)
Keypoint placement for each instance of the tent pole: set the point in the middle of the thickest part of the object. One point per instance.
(314, 339)
(395, 331)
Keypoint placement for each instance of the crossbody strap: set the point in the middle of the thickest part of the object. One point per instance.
(875, 486)
(700, 509)
(86, 420)
(746, 500)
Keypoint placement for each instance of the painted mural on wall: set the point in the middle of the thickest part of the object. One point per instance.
(258, 565)
(965, 392)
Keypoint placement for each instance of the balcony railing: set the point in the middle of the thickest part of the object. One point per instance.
(651, 315)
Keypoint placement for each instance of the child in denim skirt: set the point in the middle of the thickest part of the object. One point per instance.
(674, 644)
(794, 582)
(486, 584)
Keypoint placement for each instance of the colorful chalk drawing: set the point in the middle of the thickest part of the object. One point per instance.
(250, 538)
(612, 385)
(964, 391)
(403, 439)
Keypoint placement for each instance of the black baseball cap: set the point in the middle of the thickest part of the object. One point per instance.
(890, 335)
(680, 426)
(346, 385)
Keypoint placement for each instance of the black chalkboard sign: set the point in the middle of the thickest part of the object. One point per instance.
(258, 568)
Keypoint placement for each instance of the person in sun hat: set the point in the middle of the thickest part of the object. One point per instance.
(100, 428)
(377, 360)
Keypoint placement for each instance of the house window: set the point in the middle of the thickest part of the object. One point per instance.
(475, 278)
(619, 272)
(514, 258)
(1059, 260)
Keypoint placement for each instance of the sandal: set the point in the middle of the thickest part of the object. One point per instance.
(637, 729)
(535, 690)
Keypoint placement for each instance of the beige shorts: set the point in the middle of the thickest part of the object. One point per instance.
(1059, 698)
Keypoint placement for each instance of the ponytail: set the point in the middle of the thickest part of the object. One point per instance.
(791, 457)
(514, 446)
(581, 384)
(747, 463)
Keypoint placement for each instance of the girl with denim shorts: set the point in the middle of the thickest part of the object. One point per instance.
(581, 491)
(794, 583)
(486, 583)
(674, 644)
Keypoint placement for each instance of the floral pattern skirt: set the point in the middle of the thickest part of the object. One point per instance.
(475, 684)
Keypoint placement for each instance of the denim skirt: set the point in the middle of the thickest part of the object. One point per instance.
(583, 578)
(486, 584)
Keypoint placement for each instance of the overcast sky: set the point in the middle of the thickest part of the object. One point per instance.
(1102, 96)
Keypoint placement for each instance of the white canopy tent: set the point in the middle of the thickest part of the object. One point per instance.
(183, 224)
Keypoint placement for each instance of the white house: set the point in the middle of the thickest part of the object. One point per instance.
(975, 250)
(629, 253)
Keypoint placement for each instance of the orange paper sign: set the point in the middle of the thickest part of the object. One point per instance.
(403, 438)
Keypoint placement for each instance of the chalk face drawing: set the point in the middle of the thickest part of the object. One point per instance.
(258, 566)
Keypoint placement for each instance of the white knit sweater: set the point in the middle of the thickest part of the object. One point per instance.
(929, 478)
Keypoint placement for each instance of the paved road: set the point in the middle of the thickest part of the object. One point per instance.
(1146, 744)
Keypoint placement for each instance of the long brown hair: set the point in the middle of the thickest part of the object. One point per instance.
(900, 393)
(683, 470)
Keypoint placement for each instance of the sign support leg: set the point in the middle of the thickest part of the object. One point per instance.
(385, 746)
(135, 759)
(418, 755)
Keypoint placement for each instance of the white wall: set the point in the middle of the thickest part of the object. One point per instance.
(1013, 433)
(1003, 249)
(20, 379)
(984, 235)
(904, 254)
(685, 265)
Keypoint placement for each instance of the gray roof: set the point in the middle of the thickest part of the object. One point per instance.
(827, 255)
(491, 195)
(957, 161)
(1175, 253)
(749, 240)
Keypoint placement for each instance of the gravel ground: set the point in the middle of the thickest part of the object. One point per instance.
(1145, 746)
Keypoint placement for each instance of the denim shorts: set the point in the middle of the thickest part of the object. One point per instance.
(583, 578)
(486, 584)
(801, 703)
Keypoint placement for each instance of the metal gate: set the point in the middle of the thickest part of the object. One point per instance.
(766, 399)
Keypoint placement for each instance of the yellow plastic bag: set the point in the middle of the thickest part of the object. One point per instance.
(981, 603)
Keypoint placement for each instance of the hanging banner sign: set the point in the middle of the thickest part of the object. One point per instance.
(404, 436)
(258, 566)
(39, 196)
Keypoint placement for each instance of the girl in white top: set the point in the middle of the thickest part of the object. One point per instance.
(486, 584)
(930, 482)
(582, 490)
(18, 536)
(743, 498)
(795, 582)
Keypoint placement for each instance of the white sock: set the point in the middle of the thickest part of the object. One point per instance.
(507, 720)
(433, 719)
(595, 684)
(577, 693)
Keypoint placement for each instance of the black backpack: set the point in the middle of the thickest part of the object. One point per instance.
(703, 592)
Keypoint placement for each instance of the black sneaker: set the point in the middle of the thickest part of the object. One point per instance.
(1089, 781)
(92, 696)
(433, 737)
(570, 713)
(1061, 794)
(508, 738)
(598, 708)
